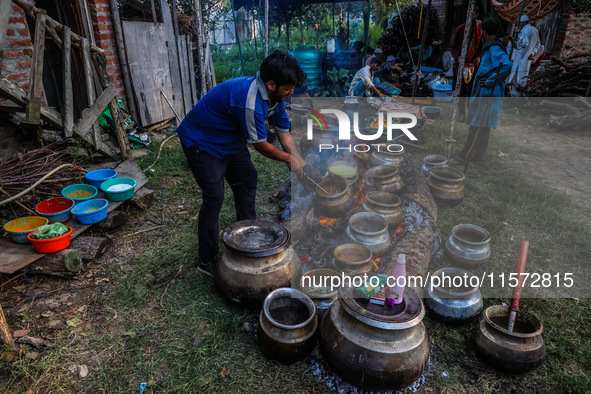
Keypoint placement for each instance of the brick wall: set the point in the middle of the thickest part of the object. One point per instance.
(104, 34)
(16, 64)
(18, 51)
(440, 7)
(574, 31)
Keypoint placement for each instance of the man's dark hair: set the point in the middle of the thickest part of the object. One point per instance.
(283, 69)
(490, 26)
(377, 60)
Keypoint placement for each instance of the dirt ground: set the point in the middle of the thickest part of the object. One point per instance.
(560, 160)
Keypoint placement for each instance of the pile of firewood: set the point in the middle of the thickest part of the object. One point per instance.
(19, 172)
(561, 77)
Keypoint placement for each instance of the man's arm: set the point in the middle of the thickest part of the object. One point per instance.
(295, 163)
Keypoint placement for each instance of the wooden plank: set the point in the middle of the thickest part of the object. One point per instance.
(153, 5)
(192, 71)
(68, 115)
(36, 89)
(175, 17)
(100, 64)
(16, 256)
(19, 96)
(5, 8)
(144, 41)
(185, 78)
(175, 62)
(91, 114)
(90, 93)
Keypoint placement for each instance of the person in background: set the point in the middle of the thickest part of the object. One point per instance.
(447, 62)
(487, 95)
(389, 71)
(527, 45)
(472, 57)
(363, 83)
(376, 53)
(214, 137)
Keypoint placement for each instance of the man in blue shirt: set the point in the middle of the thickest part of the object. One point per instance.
(215, 133)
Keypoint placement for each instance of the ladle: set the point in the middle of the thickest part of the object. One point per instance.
(317, 185)
(495, 231)
(517, 290)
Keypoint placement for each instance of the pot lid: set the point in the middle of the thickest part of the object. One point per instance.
(256, 238)
(389, 318)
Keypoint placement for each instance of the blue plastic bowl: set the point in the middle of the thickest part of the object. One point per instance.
(97, 177)
(97, 208)
(18, 229)
(81, 186)
(443, 92)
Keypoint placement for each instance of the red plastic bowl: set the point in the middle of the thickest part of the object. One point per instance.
(51, 245)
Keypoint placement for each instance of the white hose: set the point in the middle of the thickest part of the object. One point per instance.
(35, 184)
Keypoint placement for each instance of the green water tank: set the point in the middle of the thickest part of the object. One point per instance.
(310, 60)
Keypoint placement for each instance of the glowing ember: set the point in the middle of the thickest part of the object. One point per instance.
(328, 221)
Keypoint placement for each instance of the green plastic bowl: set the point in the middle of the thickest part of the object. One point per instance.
(119, 195)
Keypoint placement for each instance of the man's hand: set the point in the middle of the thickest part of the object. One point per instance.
(296, 165)
(483, 81)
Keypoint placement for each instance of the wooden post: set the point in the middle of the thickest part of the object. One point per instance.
(36, 89)
(100, 63)
(5, 8)
(5, 331)
(450, 138)
(68, 115)
(175, 58)
(175, 18)
(267, 28)
(116, 19)
(194, 97)
(90, 93)
(153, 11)
(201, 48)
(421, 49)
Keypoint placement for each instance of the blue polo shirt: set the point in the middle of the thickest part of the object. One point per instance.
(231, 115)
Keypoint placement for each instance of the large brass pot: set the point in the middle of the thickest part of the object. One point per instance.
(465, 248)
(431, 161)
(453, 303)
(446, 185)
(287, 326)
(516, 352)
(384, 204)
(257, 259)
(388, 155)
(352, 259)
(339, 199)
(370, 230)
(384, 178)
(371, 349)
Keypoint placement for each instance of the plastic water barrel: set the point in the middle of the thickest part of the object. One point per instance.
(310, 60)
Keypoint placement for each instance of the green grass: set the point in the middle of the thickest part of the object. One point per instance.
(179, 336)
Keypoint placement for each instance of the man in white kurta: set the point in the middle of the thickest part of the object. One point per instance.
(528, 43)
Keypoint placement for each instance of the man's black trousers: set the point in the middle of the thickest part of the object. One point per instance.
(209, 172)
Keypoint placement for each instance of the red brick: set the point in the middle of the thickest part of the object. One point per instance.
(10, 32)
(28, 51)
(14, 53)
(16, 19)
(17, 76)
(105, 36)
(19, 43)
(24, 64)
(8, 67)
(112, 61)
(119, 85)
(112, 70)
(24, 32)
(109, 52)
(116, 77)
(103, 18)
(25, 85)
